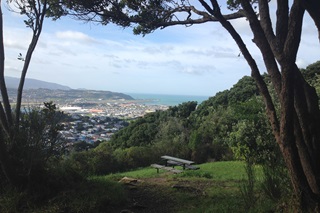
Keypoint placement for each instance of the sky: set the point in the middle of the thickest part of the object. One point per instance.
(198, 60)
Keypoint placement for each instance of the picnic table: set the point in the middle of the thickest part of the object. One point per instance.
(173, 161)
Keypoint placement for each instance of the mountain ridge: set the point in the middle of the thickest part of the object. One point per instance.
(41, 90)
(30, 83)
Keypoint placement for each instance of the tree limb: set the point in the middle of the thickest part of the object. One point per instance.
(266, 24)
(282, 23)
(271, 112)
(7, 119)
(36, 34)
(294, 34)
(261, 41)
(313, 8)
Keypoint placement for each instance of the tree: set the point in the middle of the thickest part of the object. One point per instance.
(311, 74)
(296, 127)
(11, 127)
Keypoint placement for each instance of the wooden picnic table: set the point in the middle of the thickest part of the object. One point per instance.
(173, 161)
(178, 161)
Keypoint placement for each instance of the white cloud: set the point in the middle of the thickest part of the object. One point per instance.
(75, 36)
(202, 59)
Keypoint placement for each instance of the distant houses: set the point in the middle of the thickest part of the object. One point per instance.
(99, 124)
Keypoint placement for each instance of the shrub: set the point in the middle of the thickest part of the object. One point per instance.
(247, 186)
(275, 181)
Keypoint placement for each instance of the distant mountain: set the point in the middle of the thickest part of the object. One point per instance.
(34, 84)
(36, 91)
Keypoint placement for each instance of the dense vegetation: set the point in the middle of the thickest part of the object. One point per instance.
(228, 126)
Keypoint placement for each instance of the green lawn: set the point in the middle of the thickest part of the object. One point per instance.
(219, 181)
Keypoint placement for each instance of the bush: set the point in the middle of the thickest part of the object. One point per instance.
(247, 186)
(91, 196)
(59, 178)
(275, 182)
(135, 157)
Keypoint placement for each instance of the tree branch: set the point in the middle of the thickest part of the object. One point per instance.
(205, 19)
(261, 41)
(271, 112)
(294, 34)
(266, 25)
(36, 34)
(7, 119)
(282, 23)
(313, 8)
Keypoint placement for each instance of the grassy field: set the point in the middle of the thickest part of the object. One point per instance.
(215, 187)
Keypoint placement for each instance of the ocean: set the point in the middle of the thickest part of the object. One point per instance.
(166, 100)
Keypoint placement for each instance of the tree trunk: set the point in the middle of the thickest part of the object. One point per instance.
(313, 8)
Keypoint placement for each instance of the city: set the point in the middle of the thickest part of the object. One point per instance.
(100, 122)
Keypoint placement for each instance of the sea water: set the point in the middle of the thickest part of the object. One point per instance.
(166, 100)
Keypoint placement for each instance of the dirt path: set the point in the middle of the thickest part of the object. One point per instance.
(158, 195)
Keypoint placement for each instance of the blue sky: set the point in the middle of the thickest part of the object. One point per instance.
(198, 60)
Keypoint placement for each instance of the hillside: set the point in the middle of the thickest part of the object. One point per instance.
(30, 83)
(36, 91)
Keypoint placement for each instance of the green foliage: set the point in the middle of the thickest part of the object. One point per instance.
(172, 138)
(247, 186)
(146, 131)
(11, 199)
(60, 177)
(139, 133)
(35, 143)
(275, 181)
(182, 110)
(134, 157)
(312, 75)
(232, 119)
(91, 196)
(243, 90)
(251, 136)
(214, 130)
(235, 4)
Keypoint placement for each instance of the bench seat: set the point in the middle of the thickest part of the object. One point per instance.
(192, 167)
(158, 166)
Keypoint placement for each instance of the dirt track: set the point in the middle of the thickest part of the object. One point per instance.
(158, 195)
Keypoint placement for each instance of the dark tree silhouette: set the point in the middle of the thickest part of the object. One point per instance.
(11, 129)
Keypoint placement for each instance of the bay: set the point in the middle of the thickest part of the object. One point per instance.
(166, 100)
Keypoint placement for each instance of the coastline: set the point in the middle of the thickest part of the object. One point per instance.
(165, 100)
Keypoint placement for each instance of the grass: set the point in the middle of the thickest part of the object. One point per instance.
(94, 195)
(220, 182)
(215, 187)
